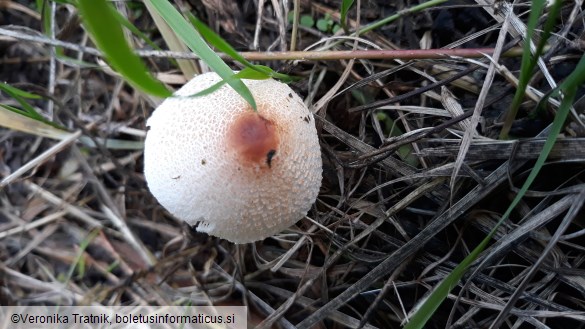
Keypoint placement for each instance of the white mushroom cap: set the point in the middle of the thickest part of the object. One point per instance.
(241, 175)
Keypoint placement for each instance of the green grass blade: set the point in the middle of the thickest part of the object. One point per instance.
(189, 68)
(100, 21)
(79, 262)
(126, 23)
(251, 73)
(345, 6)
(215, 40)
(575, 79)
(223, 46)
(27, 110)
(553, 14)
(16, 120)
(569, 89)
(45, 11)
(15, 92)
(36, 116)
(246, 73)
(257, 72)
(530, 60)
(60, 55)
(428, 308)
(193, 40)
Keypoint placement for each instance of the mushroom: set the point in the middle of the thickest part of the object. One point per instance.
(239, 174)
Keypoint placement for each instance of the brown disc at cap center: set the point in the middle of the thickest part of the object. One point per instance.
(253, 138)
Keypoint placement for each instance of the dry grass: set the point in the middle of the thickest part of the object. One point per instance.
(78, 226)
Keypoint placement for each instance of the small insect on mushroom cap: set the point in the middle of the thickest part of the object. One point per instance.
(240, 175)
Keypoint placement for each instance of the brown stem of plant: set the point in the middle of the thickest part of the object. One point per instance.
(287, 55)
(374, 54)
(332, 55)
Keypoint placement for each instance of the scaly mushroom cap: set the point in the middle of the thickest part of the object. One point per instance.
(241, 175)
